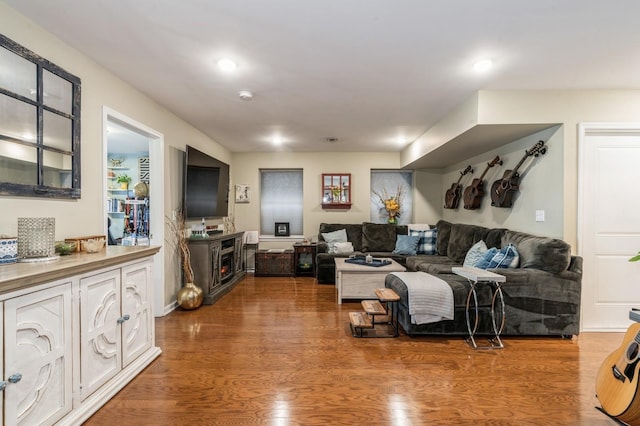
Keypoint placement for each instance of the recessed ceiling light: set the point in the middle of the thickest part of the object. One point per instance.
(245, 95)
(226, 64)
(277, 140)
(483, 65)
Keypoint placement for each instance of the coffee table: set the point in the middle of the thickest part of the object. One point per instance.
(360, 281)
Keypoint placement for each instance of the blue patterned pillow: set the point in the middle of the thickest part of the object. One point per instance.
(427, 244)
(507, 257)
(407, 244)
(486, 258)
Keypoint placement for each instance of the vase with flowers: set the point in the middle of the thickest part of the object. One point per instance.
(391, 203)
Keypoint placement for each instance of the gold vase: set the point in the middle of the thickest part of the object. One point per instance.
(190, 296)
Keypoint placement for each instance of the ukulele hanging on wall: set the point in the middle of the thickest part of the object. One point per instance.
(473, 193)
(503, 189)
(452, 196)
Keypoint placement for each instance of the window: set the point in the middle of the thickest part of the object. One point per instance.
(39, 126)
(280, 200)
(396, 185)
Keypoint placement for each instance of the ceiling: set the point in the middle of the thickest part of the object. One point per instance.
(366, 72)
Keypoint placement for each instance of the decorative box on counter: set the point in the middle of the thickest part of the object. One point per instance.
(83, 244)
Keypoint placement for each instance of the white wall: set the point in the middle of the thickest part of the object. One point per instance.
(540, 187)
(100, 87)
(247, 167)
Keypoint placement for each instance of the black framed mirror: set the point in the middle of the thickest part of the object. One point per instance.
(39, 125)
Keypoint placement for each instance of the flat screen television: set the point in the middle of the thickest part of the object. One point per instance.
(206, 186)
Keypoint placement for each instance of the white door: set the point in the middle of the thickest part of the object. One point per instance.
(137, 329)
(609, 224)
(38, 352)
(100, 331)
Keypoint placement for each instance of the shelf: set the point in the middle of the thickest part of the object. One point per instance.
(117, 190)
(336, 205)
(117, 168)
(118, 213)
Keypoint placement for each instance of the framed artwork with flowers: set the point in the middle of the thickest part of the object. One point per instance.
(336, 190)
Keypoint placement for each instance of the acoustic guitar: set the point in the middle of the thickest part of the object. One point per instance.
(473, 193)
(617, 379)
(452, 196)
(503, 189)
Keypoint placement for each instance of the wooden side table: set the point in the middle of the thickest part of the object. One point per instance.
(304, 259)
(270, 263)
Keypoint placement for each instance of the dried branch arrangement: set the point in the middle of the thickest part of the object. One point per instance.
(178, 229)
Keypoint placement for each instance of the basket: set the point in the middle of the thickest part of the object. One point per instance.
(36, 237)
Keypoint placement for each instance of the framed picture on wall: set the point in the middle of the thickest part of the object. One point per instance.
(282, 229)
(242, 193)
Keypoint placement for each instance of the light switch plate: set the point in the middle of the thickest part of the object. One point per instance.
(539, 215)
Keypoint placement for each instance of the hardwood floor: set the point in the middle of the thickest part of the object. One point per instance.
(278, 351)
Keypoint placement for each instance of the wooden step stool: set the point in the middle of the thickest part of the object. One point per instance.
(363, 324)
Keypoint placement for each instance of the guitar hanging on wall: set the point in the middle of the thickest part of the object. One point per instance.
(452, 196)
(473, 193)
(617, 379)
(503, 189)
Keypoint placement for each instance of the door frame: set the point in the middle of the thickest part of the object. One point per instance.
(156, 194)
(584, 129)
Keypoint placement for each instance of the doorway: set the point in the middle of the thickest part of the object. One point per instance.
(608, 224)
(145, 140)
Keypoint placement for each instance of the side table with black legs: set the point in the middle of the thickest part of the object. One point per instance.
(477, 277)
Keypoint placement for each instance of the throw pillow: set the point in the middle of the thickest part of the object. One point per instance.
(331, 238)
(407, 244)
(483, 263)
(427, 243)
(507, 257)
(475, 254)
(342, 248)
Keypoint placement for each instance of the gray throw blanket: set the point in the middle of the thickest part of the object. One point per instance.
(430, 298)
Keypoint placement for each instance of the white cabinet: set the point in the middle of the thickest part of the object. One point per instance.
(74, 334)
(38, 355)
(115, 322)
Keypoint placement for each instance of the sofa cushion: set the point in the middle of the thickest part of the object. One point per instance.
(462, 237)
(444, 232)
(354, 232)
(506, 257)
(547, 254)
(407, 244)
(475, 254)
(427, 241)
(378, 237)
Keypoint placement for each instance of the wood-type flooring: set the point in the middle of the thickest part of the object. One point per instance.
(278, 351)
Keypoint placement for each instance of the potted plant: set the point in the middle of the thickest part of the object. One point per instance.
(123, 180)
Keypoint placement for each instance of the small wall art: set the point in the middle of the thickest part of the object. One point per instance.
(242, 193)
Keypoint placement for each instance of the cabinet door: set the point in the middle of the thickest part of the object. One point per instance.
(137, 329)
(40, 350)
(100, 332)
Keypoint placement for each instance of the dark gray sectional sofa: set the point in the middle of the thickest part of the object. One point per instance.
(542, 295)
